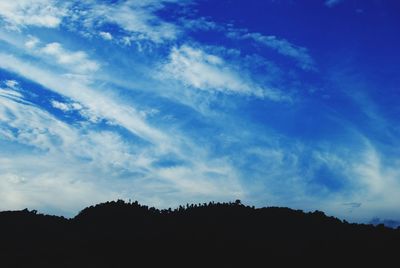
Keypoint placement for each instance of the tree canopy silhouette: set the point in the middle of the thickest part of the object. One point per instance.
(119, 232)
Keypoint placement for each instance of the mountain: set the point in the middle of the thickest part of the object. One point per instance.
(120, 234)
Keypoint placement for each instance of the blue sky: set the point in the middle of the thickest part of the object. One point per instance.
(277, 103)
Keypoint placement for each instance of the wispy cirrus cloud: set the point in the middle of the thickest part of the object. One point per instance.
(197, 178)
(332, 3)
(91, 156)
(78, 61)
(53, 169)
(97, 103)
(136, 19)
(41, 13)
(197, 173)
(282, 46)
(198, 69)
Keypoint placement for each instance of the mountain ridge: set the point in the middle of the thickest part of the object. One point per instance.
(118, 231)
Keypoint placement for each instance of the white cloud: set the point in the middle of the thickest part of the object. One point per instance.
(40, 13)
(372, 182)
(32, 42)
(35, 127)
(198, 69)
(332, 3)
(106, 35)
(11, 91)
(12, 94)
(381, 181)
(379, 184)
(203, 71)
(61, 106)
(99, 104)
(200, 183)
(77, 165)
(78, 61)
(77, 107)
(136, 18)
(75, 62)
(201, 23)
(50, 183)
(109, 156)
(282, 46)
(11, 83)
(66, 107)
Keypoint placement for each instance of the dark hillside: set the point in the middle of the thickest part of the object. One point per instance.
(119, 234)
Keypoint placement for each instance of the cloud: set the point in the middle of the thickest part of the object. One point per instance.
(186, 179)
(11, 90)
(200, 70)
(332, 3)
(372, 182)
(34, 127)
(78, 61)
(106, 35)
(32, 42)
(82, 164)
(386, 222)
(68, 107)
(23, 13)
(11, 83)
(136, 18)
(282, 46)
(352, 205)
(61, 106)
(196, 68)
(202, 24)
(140, 18)
(99, 104)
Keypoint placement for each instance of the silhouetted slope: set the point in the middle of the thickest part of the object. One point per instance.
(128, 233)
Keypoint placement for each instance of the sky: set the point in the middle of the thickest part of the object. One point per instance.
(168, 102)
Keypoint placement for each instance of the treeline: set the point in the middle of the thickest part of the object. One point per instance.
(119, 233)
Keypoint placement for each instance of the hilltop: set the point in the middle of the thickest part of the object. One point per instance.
(120, 233)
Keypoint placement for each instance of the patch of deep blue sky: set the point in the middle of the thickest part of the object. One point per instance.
(341, 101)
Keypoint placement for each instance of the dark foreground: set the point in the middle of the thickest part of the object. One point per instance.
(119, 234)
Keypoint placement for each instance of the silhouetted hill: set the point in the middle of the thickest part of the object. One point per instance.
(119, 234)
